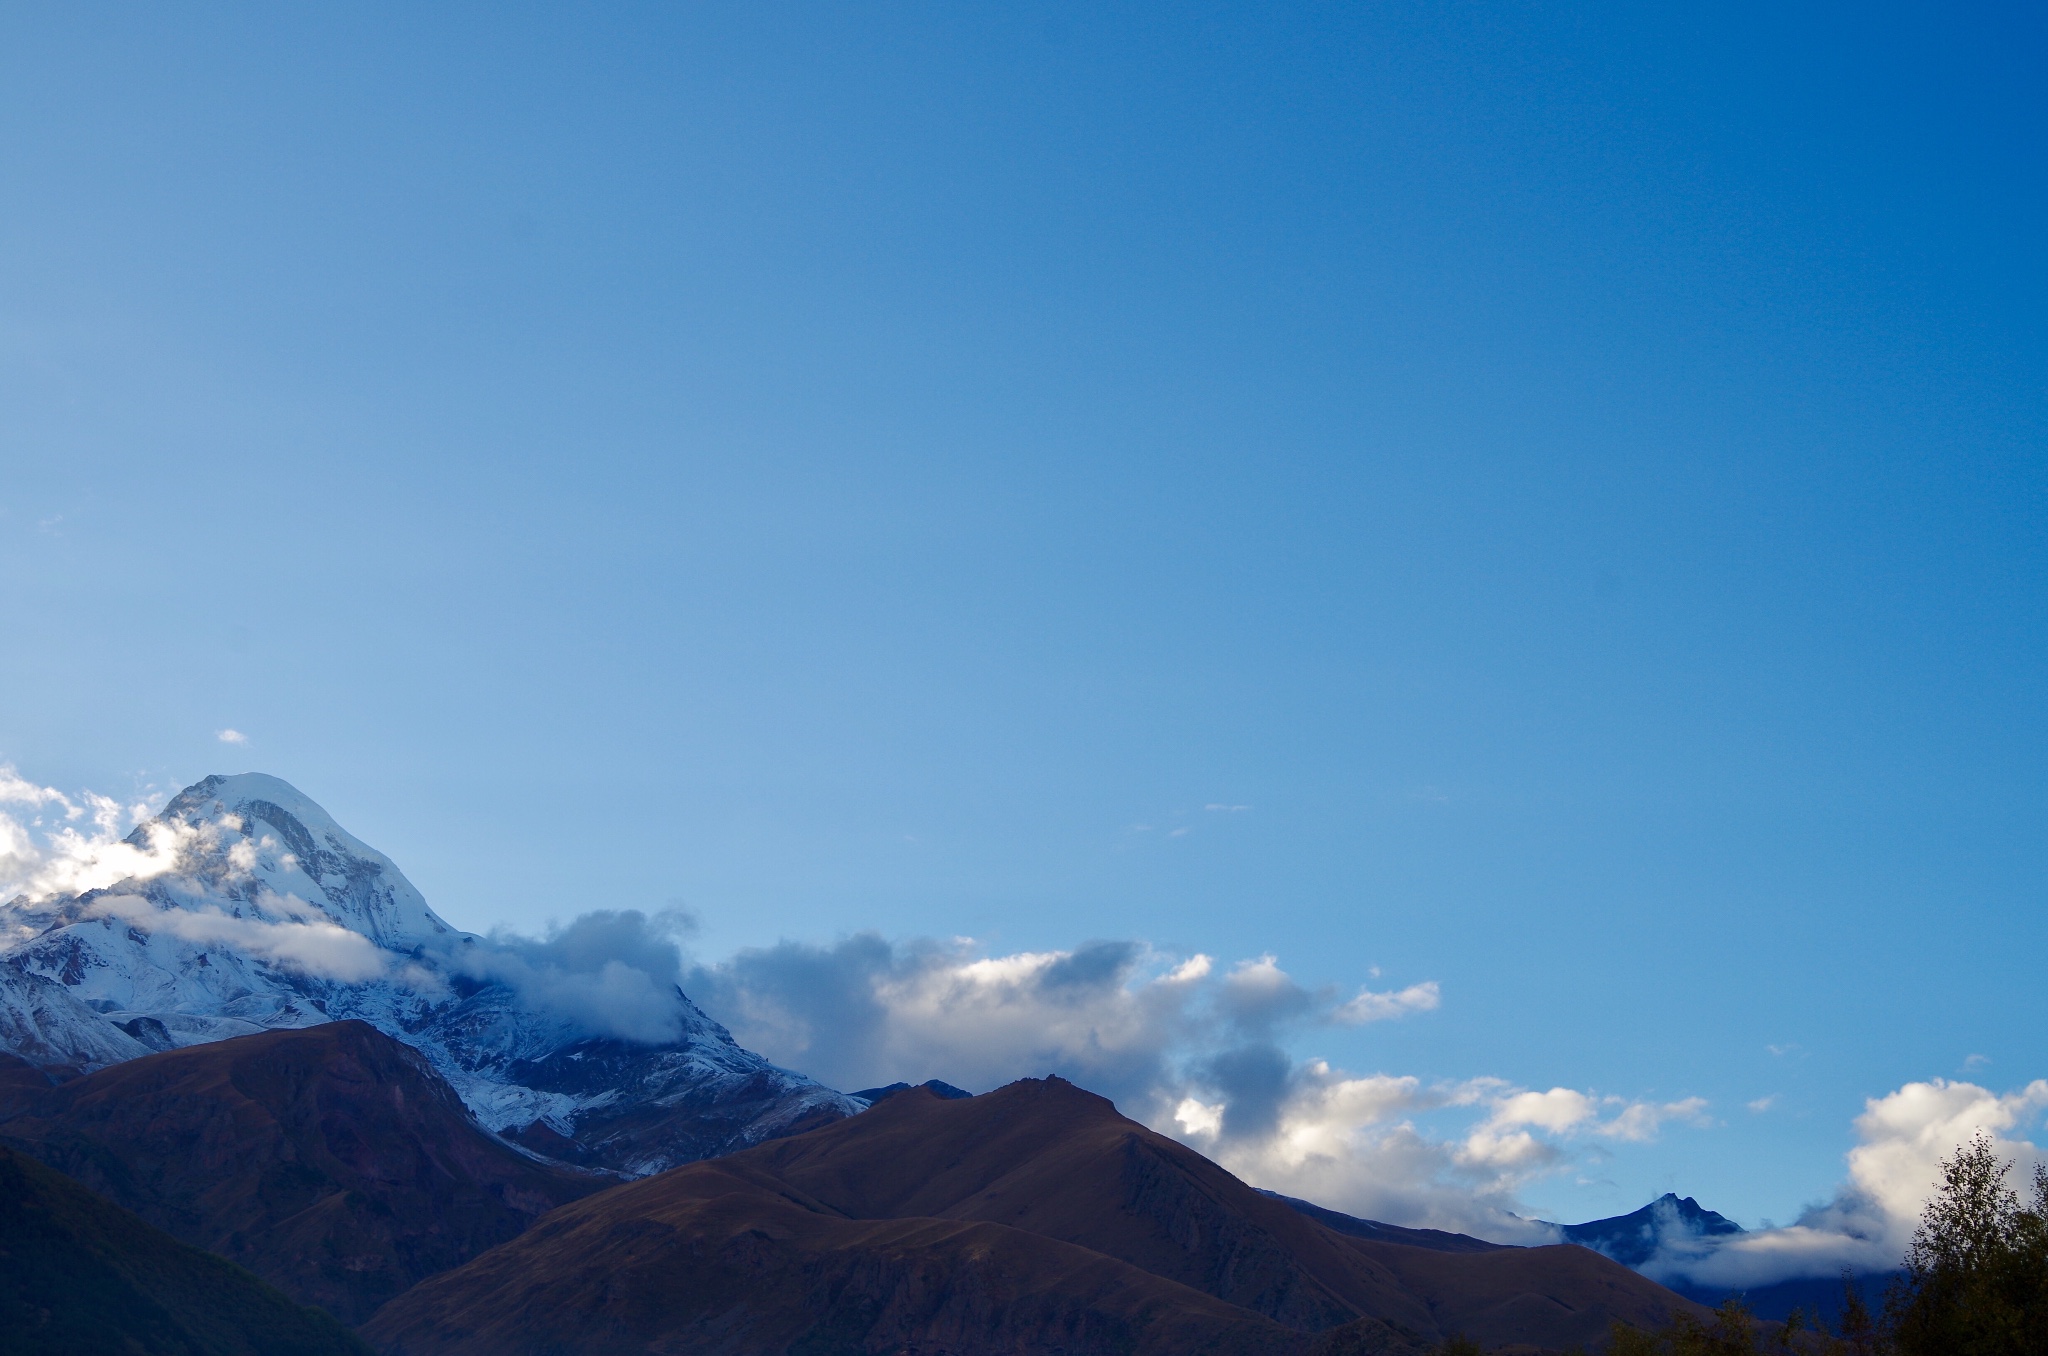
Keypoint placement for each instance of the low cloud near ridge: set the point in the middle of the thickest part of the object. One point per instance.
(1902, 1139)
(1189, 1046)
(610, 972)
(302, 939)
(1194, 1048)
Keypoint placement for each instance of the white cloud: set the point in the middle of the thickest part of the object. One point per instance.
(304, 941)
(231, 737)
(18, 790)
(610, 972)
(84, 850)
(1763, 1104)
(1558, 1110)
(1378, 1007)
(1893, 1171)
(1199, 1118)
(865, 1012)
(1907, 1133)
(1640, 1122)
(1188, 1046)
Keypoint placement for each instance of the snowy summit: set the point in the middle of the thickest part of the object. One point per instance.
(243, 907)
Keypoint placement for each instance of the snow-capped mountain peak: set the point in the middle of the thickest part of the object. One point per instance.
(246, 907)
(258, 835)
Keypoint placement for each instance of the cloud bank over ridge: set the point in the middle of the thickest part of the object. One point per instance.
(1195, 1047)
(1200, 1050)
(1893, 1170)
(1191, 1046)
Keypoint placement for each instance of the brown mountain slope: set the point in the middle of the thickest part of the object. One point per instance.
(729, 1267)
(1045, 1156)
(1561, 1296)
(1031, 1219)
(81, 1277)
(331, 1161)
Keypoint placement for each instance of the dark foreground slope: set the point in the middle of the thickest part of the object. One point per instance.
(331, 1161)
(80, 1277)
(1034, 1218)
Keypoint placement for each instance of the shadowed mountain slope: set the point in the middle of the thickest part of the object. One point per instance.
(1030, 1218)
(1438, 1239)
(80, 1277)
(331, 1160)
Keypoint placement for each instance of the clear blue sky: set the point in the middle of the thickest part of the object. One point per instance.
(1576, 473)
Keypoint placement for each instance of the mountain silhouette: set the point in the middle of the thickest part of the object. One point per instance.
(1033, 1217)
(332, 1161)
(1636, 1237)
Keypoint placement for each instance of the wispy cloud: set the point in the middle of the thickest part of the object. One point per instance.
(302, 940)
(231, 737)
(1368, 1006)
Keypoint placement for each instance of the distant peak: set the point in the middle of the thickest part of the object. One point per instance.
(931, 1085)
(242, 788)
(1633, 1238)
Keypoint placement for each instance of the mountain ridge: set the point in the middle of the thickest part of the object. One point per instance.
(1034, 1217)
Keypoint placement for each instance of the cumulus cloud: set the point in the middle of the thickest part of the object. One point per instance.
(58, 844)
(611, 972)
(1362, 1144)
(231, 737)
(865, 1011)
(1197, 1049)
(1358, 1143)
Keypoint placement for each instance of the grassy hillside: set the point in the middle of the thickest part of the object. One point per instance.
(81, 1277)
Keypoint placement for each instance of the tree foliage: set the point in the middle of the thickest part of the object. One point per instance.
(1976, 1281)
(1976, 1284)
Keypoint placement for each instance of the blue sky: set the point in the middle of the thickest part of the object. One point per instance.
(1576, 477)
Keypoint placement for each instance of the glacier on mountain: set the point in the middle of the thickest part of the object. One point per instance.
(245, 907)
